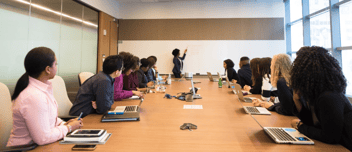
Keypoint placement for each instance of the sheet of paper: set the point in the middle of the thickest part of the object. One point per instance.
(192, 106)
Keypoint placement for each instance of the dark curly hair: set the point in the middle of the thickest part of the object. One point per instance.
(316, 71)
(254, 64)
(229, 63)
(129, 62)
(175, 52)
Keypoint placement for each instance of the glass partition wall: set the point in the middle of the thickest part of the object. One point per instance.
(65, 26)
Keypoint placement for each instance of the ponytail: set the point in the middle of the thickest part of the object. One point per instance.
(21, 84)
(35, 63)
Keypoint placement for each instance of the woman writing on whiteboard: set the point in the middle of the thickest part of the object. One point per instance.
(178, 61)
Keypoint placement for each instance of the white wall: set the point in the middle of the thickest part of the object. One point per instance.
(110, 7)
(203, 55)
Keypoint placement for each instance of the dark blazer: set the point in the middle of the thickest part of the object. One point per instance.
(232, 74)
(142, 79)
(285, 95)
(178, 64)
(245, 74)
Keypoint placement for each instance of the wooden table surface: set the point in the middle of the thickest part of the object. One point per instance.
(222, 124)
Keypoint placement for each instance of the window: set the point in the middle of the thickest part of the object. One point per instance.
(347, 69)
(316, 5)
(296, 9)
(297, 36)
(320, 30)
(346, 24)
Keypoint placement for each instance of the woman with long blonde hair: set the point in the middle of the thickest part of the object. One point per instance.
(281, 66)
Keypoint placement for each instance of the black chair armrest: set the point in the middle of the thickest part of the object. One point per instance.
(20, 148)
(66, 118)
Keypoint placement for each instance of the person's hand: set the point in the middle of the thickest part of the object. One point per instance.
(246, 88)
(256, 102)
(267, 105)
(94, 104)
(75, 123)
(164, 77)
(181, 75)
(295, 122)
(138, 93)
(234, 81)
(151, 83)
(272, 99)
(72, 120)
(185, 51)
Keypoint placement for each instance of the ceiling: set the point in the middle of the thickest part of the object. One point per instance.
(163, 1)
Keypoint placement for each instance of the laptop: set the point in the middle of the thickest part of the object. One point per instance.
(249, 109)
(123, 113)
(211, 77)
(228, 83)
(286, 135)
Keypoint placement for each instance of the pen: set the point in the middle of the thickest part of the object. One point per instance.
(80, 116)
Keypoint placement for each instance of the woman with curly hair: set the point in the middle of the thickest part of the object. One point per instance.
(130, 63)
(281, 66)
(319, 97)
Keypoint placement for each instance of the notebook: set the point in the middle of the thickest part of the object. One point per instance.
(123, 113)
(249, 109)
(211, 77)
(286, 135)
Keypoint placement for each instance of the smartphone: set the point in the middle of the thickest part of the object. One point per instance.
(84, 147)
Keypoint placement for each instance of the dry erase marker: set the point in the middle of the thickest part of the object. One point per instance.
(80, 116)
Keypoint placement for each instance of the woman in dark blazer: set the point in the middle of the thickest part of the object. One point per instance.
(178, 61)
(230, 72)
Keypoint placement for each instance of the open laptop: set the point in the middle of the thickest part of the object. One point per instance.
(211, 77)
(286, 135)
(123, 113)
(249, 109)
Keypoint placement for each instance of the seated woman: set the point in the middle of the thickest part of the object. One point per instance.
(281, 66)
(142, 78)
(129, 64)
(35, 112)
(130, 82)
(231, 73)
(319, 97)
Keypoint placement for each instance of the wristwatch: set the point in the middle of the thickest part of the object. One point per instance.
(69, 128)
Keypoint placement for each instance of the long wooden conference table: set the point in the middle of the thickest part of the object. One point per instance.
(222, 124)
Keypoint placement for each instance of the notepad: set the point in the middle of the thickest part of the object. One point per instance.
(192, 106)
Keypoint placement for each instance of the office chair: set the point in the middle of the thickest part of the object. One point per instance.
(6, 122)
(83, 76)
(61, 97)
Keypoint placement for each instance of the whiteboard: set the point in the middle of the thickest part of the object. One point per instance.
(203, 56)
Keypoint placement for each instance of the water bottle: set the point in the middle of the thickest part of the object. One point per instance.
(220, 83)
(169, 79)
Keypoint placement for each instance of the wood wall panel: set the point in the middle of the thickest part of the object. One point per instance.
(107, 43)
(202, 29)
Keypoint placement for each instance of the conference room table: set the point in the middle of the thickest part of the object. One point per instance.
(222, 124)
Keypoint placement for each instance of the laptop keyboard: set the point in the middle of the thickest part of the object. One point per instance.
(280, 134)
(252, 110)
(130, 108)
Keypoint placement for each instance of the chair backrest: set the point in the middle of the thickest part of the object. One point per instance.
(83, 76)
(5, 115)
(60, 94)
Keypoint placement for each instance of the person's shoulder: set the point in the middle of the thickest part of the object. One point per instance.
(281, 81)
(330, 98)
(31, 94)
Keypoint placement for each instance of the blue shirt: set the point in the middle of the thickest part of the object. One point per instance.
(99, 88)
